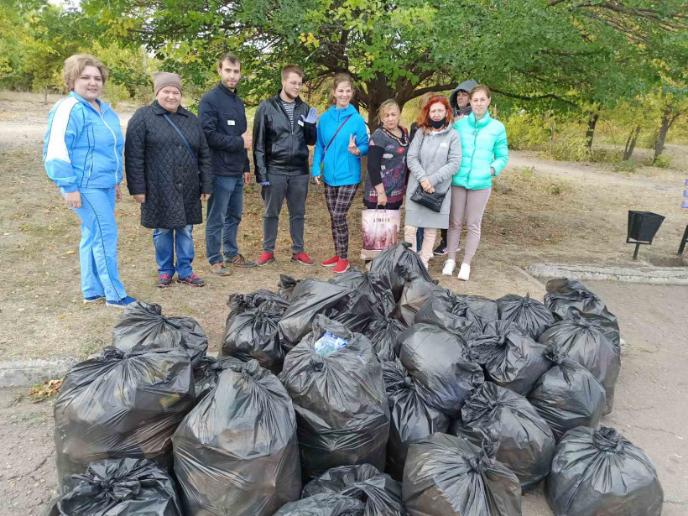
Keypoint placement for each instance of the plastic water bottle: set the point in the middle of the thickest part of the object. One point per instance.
(329, 343)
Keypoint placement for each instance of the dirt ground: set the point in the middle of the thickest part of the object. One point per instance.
(540, 211)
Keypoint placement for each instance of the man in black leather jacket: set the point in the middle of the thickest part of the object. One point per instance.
(283, 128)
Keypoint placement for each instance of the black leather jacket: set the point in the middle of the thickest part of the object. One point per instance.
(279, 147)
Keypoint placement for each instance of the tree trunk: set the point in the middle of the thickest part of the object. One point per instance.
(590, 133)
(630, 143)
(667, 119)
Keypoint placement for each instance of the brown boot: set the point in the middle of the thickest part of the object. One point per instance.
(239, 261)
(220, 269)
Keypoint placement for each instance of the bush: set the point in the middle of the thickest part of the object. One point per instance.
(628, 165)
(662, 161)
(526, 131)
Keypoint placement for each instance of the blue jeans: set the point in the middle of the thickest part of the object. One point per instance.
(98, 246)
(224, 214)
(165, 242)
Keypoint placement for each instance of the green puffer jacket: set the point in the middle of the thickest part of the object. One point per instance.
(483, 146)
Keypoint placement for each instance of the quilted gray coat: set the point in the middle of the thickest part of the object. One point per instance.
(159, 164)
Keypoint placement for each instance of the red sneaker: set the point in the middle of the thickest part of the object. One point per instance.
(342, 266)
(330, 262)
(265, 258)
(302, 258)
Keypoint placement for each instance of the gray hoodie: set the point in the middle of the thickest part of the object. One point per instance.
(466, 86)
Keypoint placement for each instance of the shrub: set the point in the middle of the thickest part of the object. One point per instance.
(662, 161)
(526, 131)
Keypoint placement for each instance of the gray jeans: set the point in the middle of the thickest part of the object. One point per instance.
(467, 208)
(295, 189)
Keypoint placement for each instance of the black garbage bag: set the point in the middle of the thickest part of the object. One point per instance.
(600, 472)
(440, 363)
(252, 334)
(236, 452)
(354, 311)
(446, 475)
(143, 327)
(465, 315)
(340, 401)
(380, 493)
(323, 505)
(411, 418)
(207, 371)
(309, 298)
(384, 336)
(523, 440)
(568, 395)
(122, 487)
(374, 287)
(119, 405)
(268, 300)
(286, 285)
(564, 295)
(591, 341)
(510, 357)
(399, 264)
(530, 314)
(417, 290)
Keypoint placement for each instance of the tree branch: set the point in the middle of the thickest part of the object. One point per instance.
(546, 96)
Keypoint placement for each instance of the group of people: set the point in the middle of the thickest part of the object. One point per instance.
(441, 172)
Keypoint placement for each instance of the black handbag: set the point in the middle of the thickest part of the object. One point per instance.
(432, 201)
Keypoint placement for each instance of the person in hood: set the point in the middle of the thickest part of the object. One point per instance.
(82, 154)
(341, 140)
(433, 156)
(485, 154)
(461, 107)
(283, 128)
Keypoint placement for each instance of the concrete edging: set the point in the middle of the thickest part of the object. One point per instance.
(642, 274)
(25, 373)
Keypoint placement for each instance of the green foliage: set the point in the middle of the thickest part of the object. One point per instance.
(662, 161)
(628, 166)
(527, 130)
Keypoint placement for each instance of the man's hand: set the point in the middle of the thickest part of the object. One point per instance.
(205, 197)
(248, 140)
(311, 117)
(139, 198)
(118, 193)
(247, 178)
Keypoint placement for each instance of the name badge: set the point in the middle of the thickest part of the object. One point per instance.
(231, 122)
(300, 122)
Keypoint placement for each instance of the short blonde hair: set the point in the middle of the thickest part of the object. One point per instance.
(74, 66)
(385, 106)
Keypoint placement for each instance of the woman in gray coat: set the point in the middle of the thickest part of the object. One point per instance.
(433, 157)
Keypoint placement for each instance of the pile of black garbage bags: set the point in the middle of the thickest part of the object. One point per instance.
(375, 393)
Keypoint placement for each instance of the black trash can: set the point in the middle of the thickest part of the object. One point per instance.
(642, 226)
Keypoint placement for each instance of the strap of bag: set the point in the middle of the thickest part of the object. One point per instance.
(335, 134)
(186, 142)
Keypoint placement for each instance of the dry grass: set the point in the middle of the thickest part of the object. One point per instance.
(546, 213)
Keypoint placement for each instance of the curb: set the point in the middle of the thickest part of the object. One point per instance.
(26, 373)
(645, 274)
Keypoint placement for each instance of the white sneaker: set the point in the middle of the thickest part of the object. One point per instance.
(448, 269)
(464, 272)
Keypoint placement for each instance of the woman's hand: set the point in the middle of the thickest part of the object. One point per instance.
(381, 195)
(317, 180)
(118, 193)
(140, 198)
(493, 172)
(426, 185)
(352, 146)
(73, 199)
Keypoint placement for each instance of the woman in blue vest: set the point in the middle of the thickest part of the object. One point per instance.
(484, 154)
(82, 154)
(341, 141)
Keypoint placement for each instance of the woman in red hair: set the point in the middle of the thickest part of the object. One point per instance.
(433, 157)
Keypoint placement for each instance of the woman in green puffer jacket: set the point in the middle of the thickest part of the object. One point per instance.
(484, 154)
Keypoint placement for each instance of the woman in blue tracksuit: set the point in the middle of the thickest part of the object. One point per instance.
(82, 154)
(341, 141)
